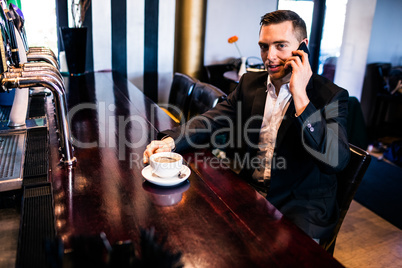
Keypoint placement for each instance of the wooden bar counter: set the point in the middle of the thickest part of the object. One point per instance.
(214, 219)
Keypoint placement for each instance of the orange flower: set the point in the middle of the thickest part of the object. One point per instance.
(233, 39)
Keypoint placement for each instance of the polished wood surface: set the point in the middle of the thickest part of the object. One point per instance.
(214, 218)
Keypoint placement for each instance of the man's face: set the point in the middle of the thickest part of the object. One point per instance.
(277, 41)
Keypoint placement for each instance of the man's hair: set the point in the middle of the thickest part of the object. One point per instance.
(299, 26)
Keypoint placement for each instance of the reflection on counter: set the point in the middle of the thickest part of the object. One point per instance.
(166, 196)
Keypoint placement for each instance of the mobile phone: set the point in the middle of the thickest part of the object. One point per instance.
(304, 48)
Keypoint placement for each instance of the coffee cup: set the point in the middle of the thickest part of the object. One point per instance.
(166, 164)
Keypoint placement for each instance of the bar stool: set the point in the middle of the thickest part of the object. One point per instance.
(179, 96)
(204, 97)
(348, 182)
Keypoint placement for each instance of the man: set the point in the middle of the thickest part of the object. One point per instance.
(294, 126)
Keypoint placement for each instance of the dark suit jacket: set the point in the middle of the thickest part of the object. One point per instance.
(310, 149)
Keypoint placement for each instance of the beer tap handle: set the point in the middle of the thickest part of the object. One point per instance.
(13, 40)
(3, 62)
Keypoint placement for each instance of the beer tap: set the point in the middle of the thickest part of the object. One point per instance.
(19, 109)
(42, 50)
(25, 75)
(37, 66)
(51, 80)
(26, 72)
(58, 91)
(16, 16)
(38, 56)
(9, 24)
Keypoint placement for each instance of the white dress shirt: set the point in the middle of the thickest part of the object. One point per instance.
(275, 109)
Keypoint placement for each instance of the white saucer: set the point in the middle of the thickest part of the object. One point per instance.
(147, 174)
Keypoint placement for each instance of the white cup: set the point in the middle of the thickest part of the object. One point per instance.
(166, 164)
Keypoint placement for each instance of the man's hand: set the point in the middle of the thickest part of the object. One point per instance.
(301, 74)
(158, 146)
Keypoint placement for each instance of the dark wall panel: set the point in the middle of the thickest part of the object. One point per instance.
(151, 49)
(119, 36)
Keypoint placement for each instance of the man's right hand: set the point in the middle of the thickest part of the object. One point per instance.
(158, 146)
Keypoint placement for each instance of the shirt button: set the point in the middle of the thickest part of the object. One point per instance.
(309, 125)
(312, 129)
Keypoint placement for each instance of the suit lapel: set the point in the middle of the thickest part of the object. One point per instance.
(259, 100)
(286, 123)
(257, 113)
(288, 118)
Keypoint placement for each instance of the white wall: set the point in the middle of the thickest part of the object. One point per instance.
(167, 10)
(242, 20)
(364, 41)
(386, 37)
(226, 18)
(102, 35)
(135, 42)
(101, 19)
(352, 61)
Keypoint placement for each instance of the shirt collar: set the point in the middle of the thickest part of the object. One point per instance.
(271, 87)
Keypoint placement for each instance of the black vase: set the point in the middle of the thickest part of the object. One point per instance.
(75, 44)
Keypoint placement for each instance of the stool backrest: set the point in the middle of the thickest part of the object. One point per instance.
(179, 97)
(204, 97)
(348, 181)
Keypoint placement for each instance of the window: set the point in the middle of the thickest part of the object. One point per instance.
(332, 34)
(40, 23)
(303, 8)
